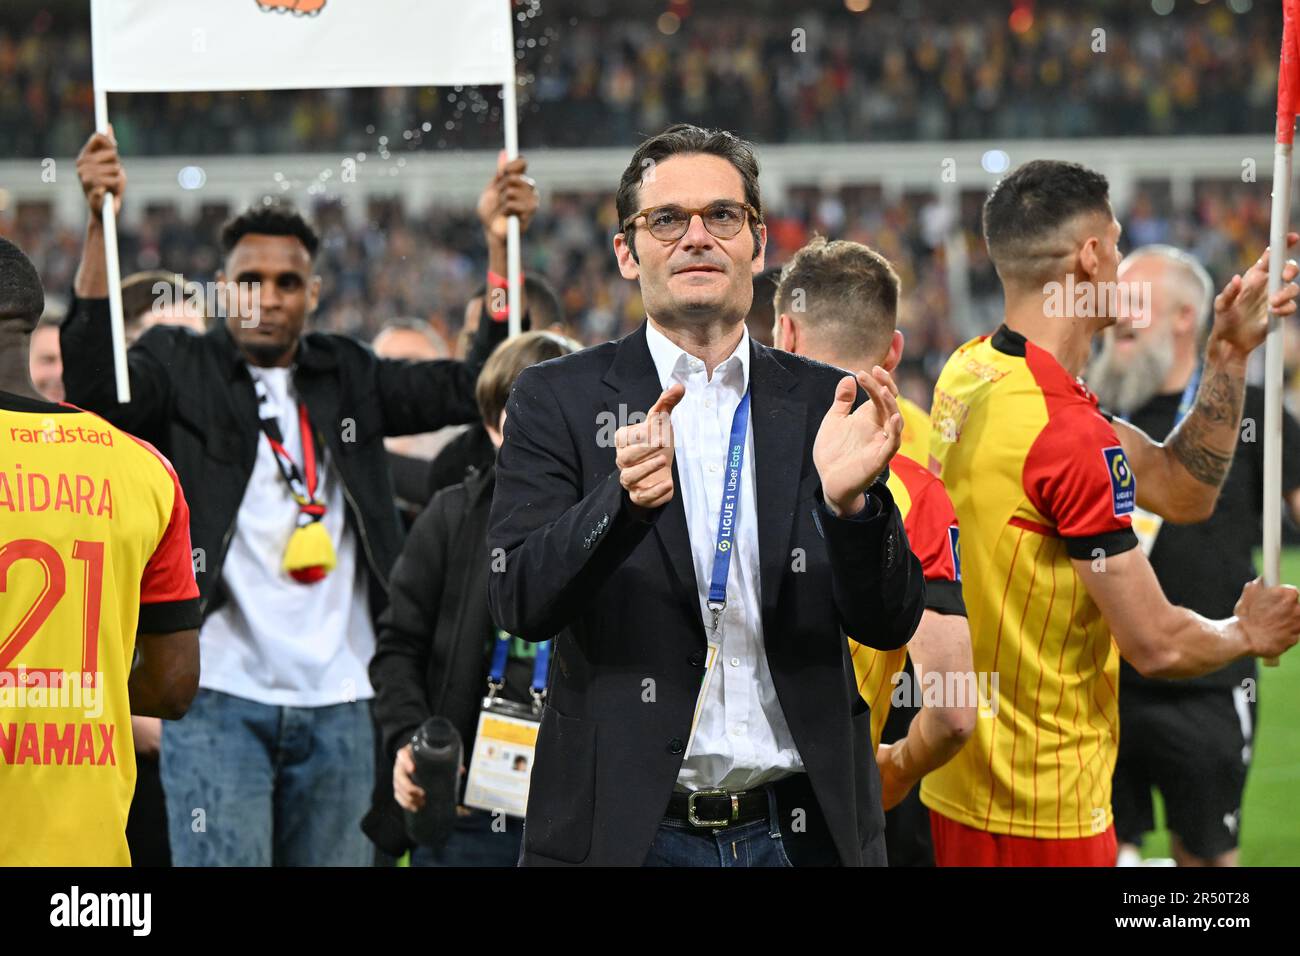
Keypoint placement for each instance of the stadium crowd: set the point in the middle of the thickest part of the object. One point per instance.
(911, 71)
(425, 264)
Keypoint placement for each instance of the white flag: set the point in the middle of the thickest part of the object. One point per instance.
(162, 45)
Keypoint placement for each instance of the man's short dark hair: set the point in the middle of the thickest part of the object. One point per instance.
(1026, 209)
(680, 139)
(845, 293)
(275, 219)
(21, 297)
(544, 306)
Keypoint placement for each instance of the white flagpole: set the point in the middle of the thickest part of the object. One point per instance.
(514, 267)
(1273, 372)
(114, 269)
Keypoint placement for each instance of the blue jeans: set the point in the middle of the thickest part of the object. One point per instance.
(677, 843)
(475, 843)
(252, 784)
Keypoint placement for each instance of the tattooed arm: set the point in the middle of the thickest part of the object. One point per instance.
(1180, 477)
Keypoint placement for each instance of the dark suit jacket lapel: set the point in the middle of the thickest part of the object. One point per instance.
(633, 384)
(778, 419)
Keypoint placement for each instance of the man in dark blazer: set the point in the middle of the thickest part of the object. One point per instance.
(699, 565)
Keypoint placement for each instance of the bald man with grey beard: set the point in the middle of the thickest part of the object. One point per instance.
(1190, 739)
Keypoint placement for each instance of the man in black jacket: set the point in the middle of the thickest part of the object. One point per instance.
(277, 436)
(699, 572)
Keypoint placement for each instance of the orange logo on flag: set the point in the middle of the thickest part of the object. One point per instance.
(299, 8)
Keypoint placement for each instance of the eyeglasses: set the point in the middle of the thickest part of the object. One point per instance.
(723, 219)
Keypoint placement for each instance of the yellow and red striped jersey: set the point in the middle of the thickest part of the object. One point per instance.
(931, 528)
(1037, 477)
(94, 546)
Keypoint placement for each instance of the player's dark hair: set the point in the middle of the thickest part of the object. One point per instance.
(21, 297)
(680, 139)
(275, 219)
(1026, 209)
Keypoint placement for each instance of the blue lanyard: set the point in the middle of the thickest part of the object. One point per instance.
(727, 515)
(497, 675)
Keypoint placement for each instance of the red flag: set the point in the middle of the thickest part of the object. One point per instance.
(1288, 73)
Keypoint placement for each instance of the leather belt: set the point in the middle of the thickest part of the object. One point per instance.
(718, 808)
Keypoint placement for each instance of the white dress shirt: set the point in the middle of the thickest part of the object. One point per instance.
(741, 739)
(276, 641)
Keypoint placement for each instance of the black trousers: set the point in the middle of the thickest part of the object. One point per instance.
(146, 824)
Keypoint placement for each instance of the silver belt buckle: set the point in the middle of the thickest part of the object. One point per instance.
(695, 821)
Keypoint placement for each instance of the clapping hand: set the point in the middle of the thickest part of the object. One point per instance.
(854, 447)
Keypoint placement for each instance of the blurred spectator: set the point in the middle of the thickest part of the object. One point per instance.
(471, 450)
(409, 455)
(45, 361)
(436, 638)
(762, 311)
(161, 298)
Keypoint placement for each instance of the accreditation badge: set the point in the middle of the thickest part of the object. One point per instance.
(502, 761)
(710, 660)
(505, 744)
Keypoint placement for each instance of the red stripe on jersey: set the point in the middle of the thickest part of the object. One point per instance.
(1033, 526)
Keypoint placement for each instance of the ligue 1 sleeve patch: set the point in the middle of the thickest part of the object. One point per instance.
(954, 546)
(1123, 486)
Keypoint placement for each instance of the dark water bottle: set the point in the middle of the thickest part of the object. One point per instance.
(438, 751)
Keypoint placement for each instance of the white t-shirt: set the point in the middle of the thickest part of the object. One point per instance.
(276, 641)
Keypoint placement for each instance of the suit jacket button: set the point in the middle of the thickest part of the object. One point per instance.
(697, 659)
(675, 746)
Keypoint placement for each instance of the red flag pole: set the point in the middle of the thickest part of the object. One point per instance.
(1288, 101)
